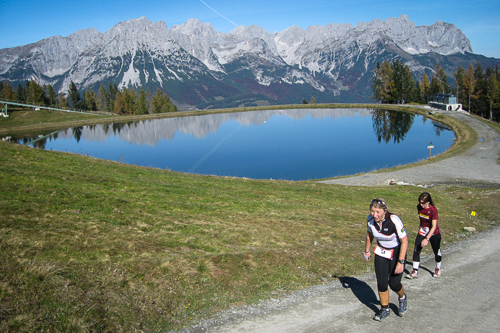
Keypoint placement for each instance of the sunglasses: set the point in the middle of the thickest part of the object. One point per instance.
(380, 202)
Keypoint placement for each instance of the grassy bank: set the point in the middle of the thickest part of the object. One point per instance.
(23, 120)
(88, 245)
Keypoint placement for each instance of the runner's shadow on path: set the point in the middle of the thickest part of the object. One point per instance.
(362, 291)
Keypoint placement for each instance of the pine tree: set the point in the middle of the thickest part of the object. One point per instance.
(435, 87)
(131, 103)
(34, 93)
(63, 102)
(126, 102)
(119, 103)
(149, 98)
(397, 78)
(442, 79)
(7, 91)
(102, 98)
(459, 84)
(143, 107)
(393, 83)
(161, 102)
(386, 89)
(469, 83)
(417, 93)
(480, 101)
(112, 96)
(406, 81)
(425, 88)
(74, 98)
(90, 100)
(376, 86)
(20, 94)
(493, 91)
(51, 95)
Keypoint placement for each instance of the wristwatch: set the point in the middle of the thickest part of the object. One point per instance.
(401, 261)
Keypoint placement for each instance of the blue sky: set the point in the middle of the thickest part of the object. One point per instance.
(27, 21)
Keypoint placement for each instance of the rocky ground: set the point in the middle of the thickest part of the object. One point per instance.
(464, 299)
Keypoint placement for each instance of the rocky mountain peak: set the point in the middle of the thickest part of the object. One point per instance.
(194, 62)
(194, 27)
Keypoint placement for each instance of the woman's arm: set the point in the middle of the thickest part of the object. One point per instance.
(402, 255)
(369, 239)
(425, 241)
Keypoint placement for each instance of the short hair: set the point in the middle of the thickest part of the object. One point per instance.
(379, 203)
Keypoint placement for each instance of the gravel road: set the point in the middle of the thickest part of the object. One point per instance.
(466, 298)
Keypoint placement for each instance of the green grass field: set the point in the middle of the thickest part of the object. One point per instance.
(89, 245)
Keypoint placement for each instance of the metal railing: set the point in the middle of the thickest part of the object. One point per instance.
(39, 107)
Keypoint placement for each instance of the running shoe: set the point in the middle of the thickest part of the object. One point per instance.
(437, 273)
(403, 306)
(383, 313)
(412, 275)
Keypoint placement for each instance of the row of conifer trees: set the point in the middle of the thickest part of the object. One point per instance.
(110, 99)
(476, 89)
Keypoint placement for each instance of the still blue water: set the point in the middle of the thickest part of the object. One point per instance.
(286, 144)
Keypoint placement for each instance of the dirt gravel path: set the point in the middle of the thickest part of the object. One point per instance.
(476, 165)
(464, 299)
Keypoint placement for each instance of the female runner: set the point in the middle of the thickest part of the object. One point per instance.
(390, 254)
(428, 232)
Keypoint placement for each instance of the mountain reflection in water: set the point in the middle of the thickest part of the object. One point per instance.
(294, 144)
(149, 132)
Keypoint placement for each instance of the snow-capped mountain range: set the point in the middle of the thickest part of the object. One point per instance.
(199, 66)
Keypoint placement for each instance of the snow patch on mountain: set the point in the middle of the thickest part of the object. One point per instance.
(131, 77)
(139, 52)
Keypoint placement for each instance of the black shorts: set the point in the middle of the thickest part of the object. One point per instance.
(384, 271)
